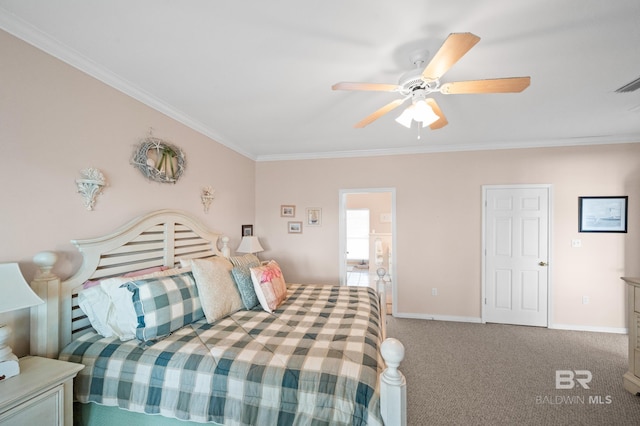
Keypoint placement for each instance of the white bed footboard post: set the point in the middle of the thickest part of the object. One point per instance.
(393, 386)
(382, 300)
(45, 318)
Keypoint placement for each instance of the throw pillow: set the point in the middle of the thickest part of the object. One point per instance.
(164, 304)
(218, 293)
(242, 278)
(244, 260)
(122, 317)
(269, 285)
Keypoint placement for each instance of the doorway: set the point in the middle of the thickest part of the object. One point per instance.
(516, 253)
(358, 246)
(367, 239)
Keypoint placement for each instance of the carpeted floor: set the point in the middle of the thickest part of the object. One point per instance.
(492, 374)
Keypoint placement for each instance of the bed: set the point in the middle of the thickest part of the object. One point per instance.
(319, 355)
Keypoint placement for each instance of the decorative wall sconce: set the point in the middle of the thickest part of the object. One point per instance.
(207, 197)
(90, 185)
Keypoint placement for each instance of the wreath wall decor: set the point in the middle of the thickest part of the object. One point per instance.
(158, 160)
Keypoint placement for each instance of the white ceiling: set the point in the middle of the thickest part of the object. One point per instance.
(256, 75)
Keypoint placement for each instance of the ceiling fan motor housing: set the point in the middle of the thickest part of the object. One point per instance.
(413, 80)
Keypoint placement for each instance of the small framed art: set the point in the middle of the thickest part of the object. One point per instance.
(314, 216)
(602, 214)
(294, 227)
(247, 230)
(287, 211)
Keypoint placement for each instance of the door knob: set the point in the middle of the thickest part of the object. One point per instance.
(543, 263)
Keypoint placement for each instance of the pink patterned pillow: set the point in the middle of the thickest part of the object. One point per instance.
(268, 282)
(92, 283)
(146, 271)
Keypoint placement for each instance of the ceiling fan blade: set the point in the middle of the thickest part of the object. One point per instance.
(379, 113)
(496, 85)
(453, 48)
(440, 122)
(378, 87)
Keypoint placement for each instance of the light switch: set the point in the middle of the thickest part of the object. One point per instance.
(576, 243)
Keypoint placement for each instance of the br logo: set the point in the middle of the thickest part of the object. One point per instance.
(566, 379)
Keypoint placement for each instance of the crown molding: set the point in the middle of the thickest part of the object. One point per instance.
(430, 149)
(35, 37)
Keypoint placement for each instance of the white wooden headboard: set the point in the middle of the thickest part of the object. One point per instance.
(159, 238)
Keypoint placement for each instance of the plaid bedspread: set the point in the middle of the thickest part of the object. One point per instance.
(314, 361)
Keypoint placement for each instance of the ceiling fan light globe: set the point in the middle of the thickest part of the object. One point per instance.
(424, 113)
(406, 117)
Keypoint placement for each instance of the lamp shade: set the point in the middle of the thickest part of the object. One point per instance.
(250, 244)
(14, 290)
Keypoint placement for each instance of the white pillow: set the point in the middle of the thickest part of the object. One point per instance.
(121, 316)
(95, 303)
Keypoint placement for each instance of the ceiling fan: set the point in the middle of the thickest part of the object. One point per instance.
(418, 84)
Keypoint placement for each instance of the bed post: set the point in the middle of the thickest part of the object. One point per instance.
(382, 300)
(393, 386)
(226, 251)
(45, 318)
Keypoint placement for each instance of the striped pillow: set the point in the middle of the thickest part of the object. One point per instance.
(245, 260)
(164, 304)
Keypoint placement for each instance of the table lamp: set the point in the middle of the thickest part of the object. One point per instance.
(15, 294)
(250, 244)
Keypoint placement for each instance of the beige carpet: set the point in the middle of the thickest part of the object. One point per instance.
(490, 374)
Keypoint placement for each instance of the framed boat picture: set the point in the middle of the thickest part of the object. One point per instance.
(602, 214)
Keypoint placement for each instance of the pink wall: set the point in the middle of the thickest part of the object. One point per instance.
(439, 224)
(56, 121)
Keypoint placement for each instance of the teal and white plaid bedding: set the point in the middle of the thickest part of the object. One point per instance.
(314, 361)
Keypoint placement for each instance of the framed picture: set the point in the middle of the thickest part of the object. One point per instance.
(287, 211)
(602, 214)
(247, 230)
(314, 216)
(295, 227)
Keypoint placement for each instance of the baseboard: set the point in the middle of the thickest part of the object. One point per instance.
(573, 327)
(437, 317)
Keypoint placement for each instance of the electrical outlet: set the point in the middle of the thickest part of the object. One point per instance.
(576, 243)
(434, 291)
(585, 300)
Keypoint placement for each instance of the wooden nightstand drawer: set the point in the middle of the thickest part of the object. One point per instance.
(41, 395)
(42, 410)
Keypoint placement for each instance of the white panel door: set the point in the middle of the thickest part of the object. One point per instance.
(516, 255)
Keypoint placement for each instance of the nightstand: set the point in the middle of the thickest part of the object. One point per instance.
(42, 394)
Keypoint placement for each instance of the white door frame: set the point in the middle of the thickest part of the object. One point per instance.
(549, 187)
(342, 238)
